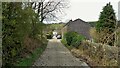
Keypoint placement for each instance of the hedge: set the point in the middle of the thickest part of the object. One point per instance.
(73, 39)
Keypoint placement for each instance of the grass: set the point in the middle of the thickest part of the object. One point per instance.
(55, 26)
(96, 57)
(29, 60)
(92, 56)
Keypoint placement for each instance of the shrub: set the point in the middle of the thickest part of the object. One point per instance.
(17, 24)
(94, 34)
(73, 39)
(64, 41)
(77, 40)
(49, 35)
(69, 36)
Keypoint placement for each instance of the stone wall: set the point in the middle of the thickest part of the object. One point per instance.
(102, 55)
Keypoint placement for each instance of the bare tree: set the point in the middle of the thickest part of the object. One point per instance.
(49, 10)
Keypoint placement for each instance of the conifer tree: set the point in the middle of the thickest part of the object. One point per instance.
(107, 24)
(107, 19)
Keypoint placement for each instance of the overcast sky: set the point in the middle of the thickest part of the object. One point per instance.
(88, 10)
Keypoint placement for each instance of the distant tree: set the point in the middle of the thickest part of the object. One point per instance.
(48, 9)
(107, 23)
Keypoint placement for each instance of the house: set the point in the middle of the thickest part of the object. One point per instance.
(78, 26)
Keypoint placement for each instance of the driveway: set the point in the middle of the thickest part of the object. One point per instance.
(56, 54)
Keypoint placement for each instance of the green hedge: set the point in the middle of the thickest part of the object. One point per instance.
(77, 40)
(73, 39)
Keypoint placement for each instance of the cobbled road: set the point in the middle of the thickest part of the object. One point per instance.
(56, 54)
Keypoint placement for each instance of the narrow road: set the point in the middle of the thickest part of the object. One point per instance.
(57, 54)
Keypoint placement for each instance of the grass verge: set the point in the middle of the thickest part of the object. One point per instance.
(72, 49)
(29, 60)
(63, 41)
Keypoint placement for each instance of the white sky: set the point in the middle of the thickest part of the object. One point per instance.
(88, 10)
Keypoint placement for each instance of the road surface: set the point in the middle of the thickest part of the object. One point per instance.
(56, 54)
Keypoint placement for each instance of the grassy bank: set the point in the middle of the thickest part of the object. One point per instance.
(29, 60)
(96, 55)
(63, 41)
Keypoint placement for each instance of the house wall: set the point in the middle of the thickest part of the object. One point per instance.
(80, 27)
(64, 30)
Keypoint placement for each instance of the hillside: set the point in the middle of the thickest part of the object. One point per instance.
(51, 27)
(92, 23)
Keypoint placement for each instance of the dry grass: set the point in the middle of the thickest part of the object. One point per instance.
(33, 48)
(31, 44)
(97, 55)
(103, 37)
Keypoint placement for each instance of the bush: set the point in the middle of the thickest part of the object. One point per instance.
(64, 41)
(69, 36)
(73, 39)
(77, 40)
(49, 35)
(17, 24)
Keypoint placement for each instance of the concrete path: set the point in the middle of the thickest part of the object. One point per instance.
(57, 54)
